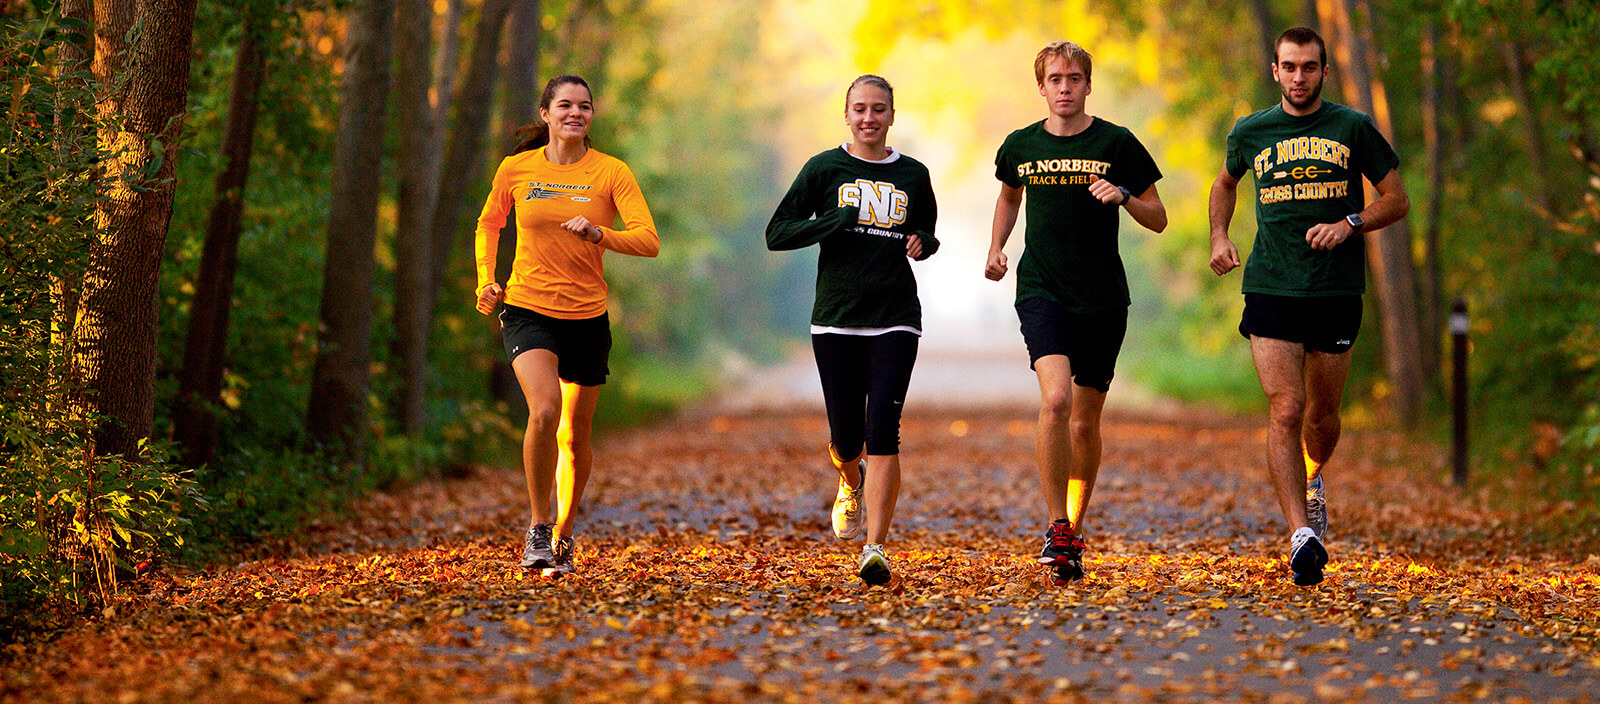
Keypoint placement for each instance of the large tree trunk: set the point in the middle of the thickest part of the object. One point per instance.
(145, 89)
(418, 190)
(1388, 249)
(1267, 29)
(463, 160)
(337, 417)
(197, 412)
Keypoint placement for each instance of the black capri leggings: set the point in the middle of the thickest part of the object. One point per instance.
(864, 380)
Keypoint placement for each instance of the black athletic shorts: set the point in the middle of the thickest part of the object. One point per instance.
(1321, 323)
(1090, 341)
(582, 347)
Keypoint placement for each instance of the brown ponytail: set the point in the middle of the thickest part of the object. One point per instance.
(536, 134)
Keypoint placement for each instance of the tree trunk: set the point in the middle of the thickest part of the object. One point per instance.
(1388, 249)
(1533, 129)
(197, 413)
(337, 418)
(1432, 314)
(1267, 29)
(75, 58)
(417, 176)
(1333, 23)
(463, 166)
(145, 86)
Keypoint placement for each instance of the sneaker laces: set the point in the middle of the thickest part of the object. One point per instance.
(538, 537)
(1062, 537)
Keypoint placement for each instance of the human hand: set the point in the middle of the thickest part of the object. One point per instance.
(1224, 256)
(1329, 235)
(584, 229)
(1105, 191)
(914, 246)
(489, 297)
(996, 268)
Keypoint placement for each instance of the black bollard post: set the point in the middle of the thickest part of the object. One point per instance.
(1459, 326)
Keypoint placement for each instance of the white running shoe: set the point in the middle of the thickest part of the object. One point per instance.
(847, 520)
(1307, 557)
(874, 565)
(1317, 508)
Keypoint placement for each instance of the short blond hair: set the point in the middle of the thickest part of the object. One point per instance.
(1068, 50)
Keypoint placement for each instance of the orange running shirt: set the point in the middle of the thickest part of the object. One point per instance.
(555, 271)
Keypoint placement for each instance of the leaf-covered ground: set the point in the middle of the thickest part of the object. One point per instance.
(706, 572)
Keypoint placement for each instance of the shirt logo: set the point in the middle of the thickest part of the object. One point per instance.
(880, 202)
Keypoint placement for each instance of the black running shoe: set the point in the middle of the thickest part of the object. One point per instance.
(536, 549)
(1063, 550)
(563, 563)
(1307, 557)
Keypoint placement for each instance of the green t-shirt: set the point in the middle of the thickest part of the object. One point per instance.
(1308, 171)
(1070, 245)
(861, 213)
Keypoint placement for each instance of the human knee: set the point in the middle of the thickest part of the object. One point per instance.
(1056, 404)
(1287, 411)
(544, 416)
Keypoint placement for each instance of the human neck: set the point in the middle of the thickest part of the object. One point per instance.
(1067, 126)
(870, 152)
(565, 152)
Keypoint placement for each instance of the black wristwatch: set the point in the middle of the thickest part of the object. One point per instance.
(1126, 196)
(1355, 221)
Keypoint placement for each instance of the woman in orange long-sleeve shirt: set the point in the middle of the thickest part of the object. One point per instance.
(565, 194)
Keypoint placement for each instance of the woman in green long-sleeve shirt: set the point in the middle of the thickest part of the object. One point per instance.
(870, 209)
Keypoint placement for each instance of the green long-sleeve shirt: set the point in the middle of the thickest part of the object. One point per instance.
(860, 213)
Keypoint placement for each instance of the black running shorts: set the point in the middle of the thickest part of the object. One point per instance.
(1322, 323)
(582, 347)
(1090, 341)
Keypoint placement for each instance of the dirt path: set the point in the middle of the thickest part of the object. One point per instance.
(707, 572)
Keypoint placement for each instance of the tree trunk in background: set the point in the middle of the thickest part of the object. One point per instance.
(417, 176)
(197, 413)
(1333, 24)
(520, 101)
(1533, 129)
(1388, 249)
(337, 417)
(463, 166)
(1267, 28)
(145, 88)
(1432, 313)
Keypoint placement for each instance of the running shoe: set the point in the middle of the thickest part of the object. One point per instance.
(562, 565)
(1063, 550)
(847, 522)
(1307, 557)
(536, 552)
(1317, 507)
(874, 565)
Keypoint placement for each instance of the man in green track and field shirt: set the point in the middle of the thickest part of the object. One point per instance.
(1079, 172)
(1307, 270)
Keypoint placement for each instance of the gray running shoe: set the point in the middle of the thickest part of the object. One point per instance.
(1317, 507)
(536, 552)
(874, 565)
(1307, 557)
(563, 563)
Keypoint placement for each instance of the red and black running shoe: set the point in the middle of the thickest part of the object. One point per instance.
(1063, 550)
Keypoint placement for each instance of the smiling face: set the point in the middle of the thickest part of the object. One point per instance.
(1299, 71)
(569, 113)
(1064, 86)
(869, 113)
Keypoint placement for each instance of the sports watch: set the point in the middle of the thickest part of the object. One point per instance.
(1355, 221)
(1126, 195)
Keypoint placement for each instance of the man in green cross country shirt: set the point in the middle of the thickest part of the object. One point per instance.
(1307, 270)
(1079, 172)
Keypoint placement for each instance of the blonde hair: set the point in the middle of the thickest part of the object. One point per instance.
(871, 80)
(1068, 50)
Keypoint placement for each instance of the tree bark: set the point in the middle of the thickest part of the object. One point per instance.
(463, 165)
(1267, 29)
(337, 417)
(197, 413)
(75, 58)
(144, 90)
(417, 176)
(1388, 249)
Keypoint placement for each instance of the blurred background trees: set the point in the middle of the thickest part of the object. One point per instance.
(241, 282)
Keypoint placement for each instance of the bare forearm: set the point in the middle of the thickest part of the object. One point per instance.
(1005, 219)
(1148, 210)
(1386, 210)
(1223, 195)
